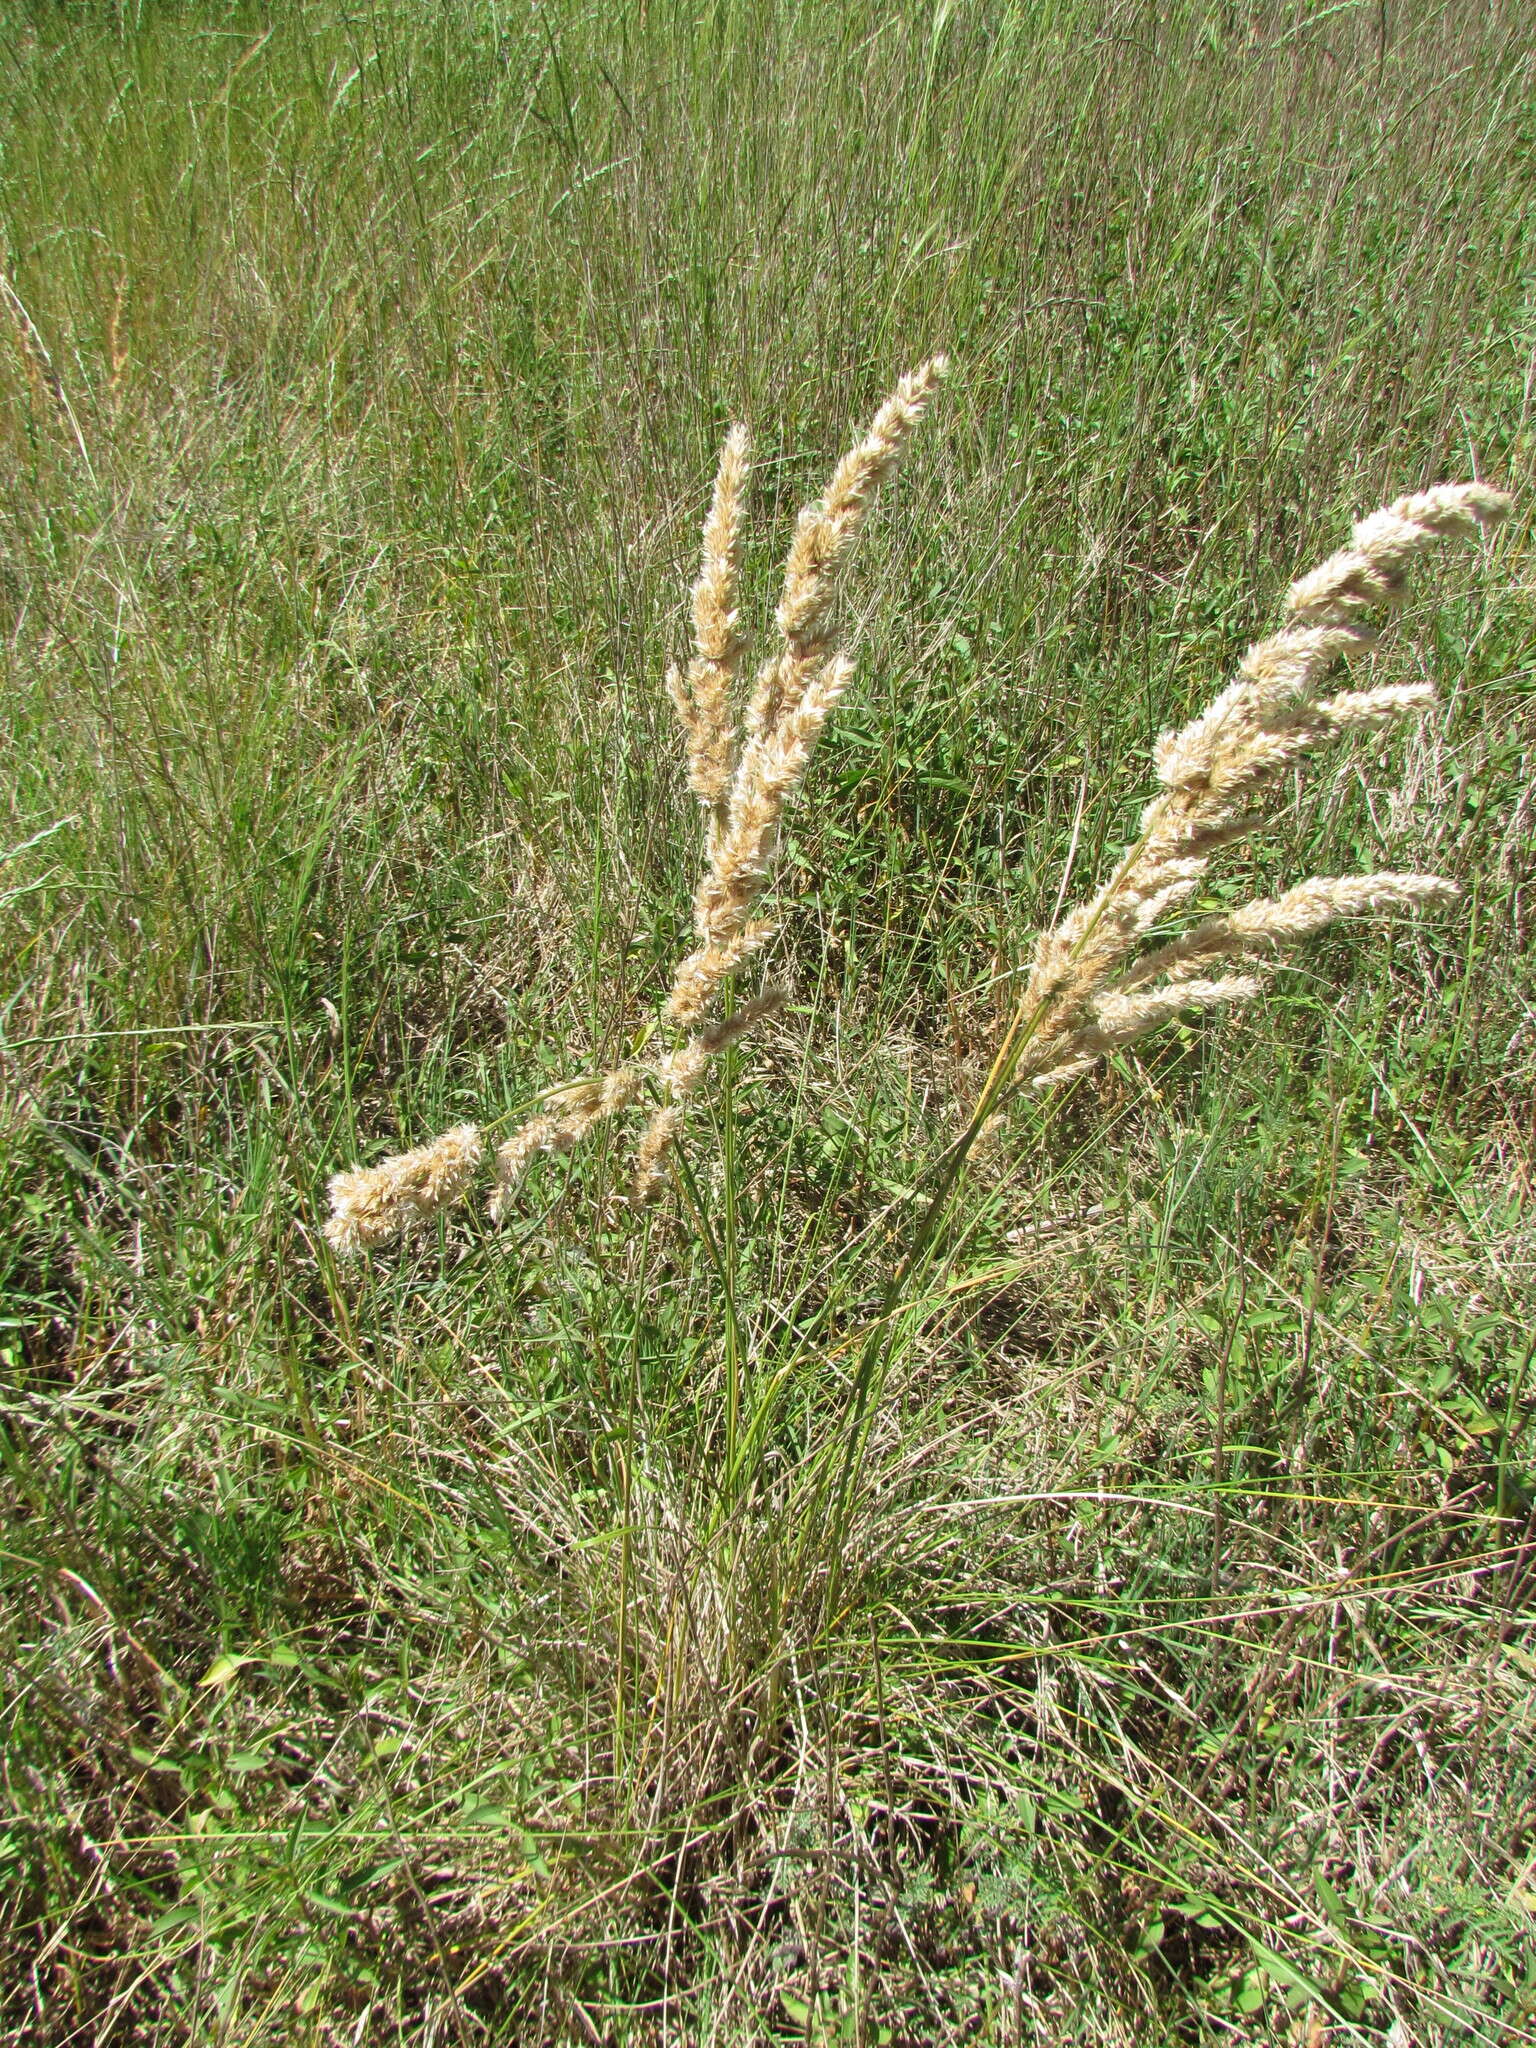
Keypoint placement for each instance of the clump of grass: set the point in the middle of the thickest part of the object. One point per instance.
(726, 1589)
(1173, 1682)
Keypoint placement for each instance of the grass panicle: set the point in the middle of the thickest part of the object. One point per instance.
(743, 789)
(1088, 990)
(702, 693)
(582, 1105)
(796, 690)
(372, 1205)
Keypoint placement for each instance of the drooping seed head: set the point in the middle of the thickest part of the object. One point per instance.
(371, 1205)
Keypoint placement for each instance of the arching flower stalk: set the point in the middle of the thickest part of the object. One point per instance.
(742, 786)
(1091, 988)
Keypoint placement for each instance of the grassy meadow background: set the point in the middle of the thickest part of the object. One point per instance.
(468, 1646)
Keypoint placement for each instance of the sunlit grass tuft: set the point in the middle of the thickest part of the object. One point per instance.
(634, 1626)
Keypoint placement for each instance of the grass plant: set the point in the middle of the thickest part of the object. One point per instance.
(923, 1579)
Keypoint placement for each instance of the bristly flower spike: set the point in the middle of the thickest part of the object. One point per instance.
(796, 691)
(1090, 988)
(372, 1205)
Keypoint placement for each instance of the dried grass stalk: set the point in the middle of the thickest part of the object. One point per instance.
(1090, 988)
(651, 1153)
(745, 787)
(1093, 984)
(582, 1106)
(372, 1205)
(701, 694)
(796, 690)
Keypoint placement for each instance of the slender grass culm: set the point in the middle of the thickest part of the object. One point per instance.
(1094, 985)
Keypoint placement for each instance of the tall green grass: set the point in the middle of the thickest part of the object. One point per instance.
(412, 1657)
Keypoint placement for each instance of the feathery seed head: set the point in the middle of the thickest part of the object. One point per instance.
(1372, 569)
(619, 1090)
(651, 1152)
(681, 1071)
(575, 1110)
(702, 973)
(371, 1205)
(1122, 1018)
(827, 530)
(702, 696)
(1119, 1020)
(1267, 924)
(1268, 715)
(715, 634)
(1092, 988)
(795, 693)
(1088, 990)
(539, 1134)
(1362, 710)
(1311, 905)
